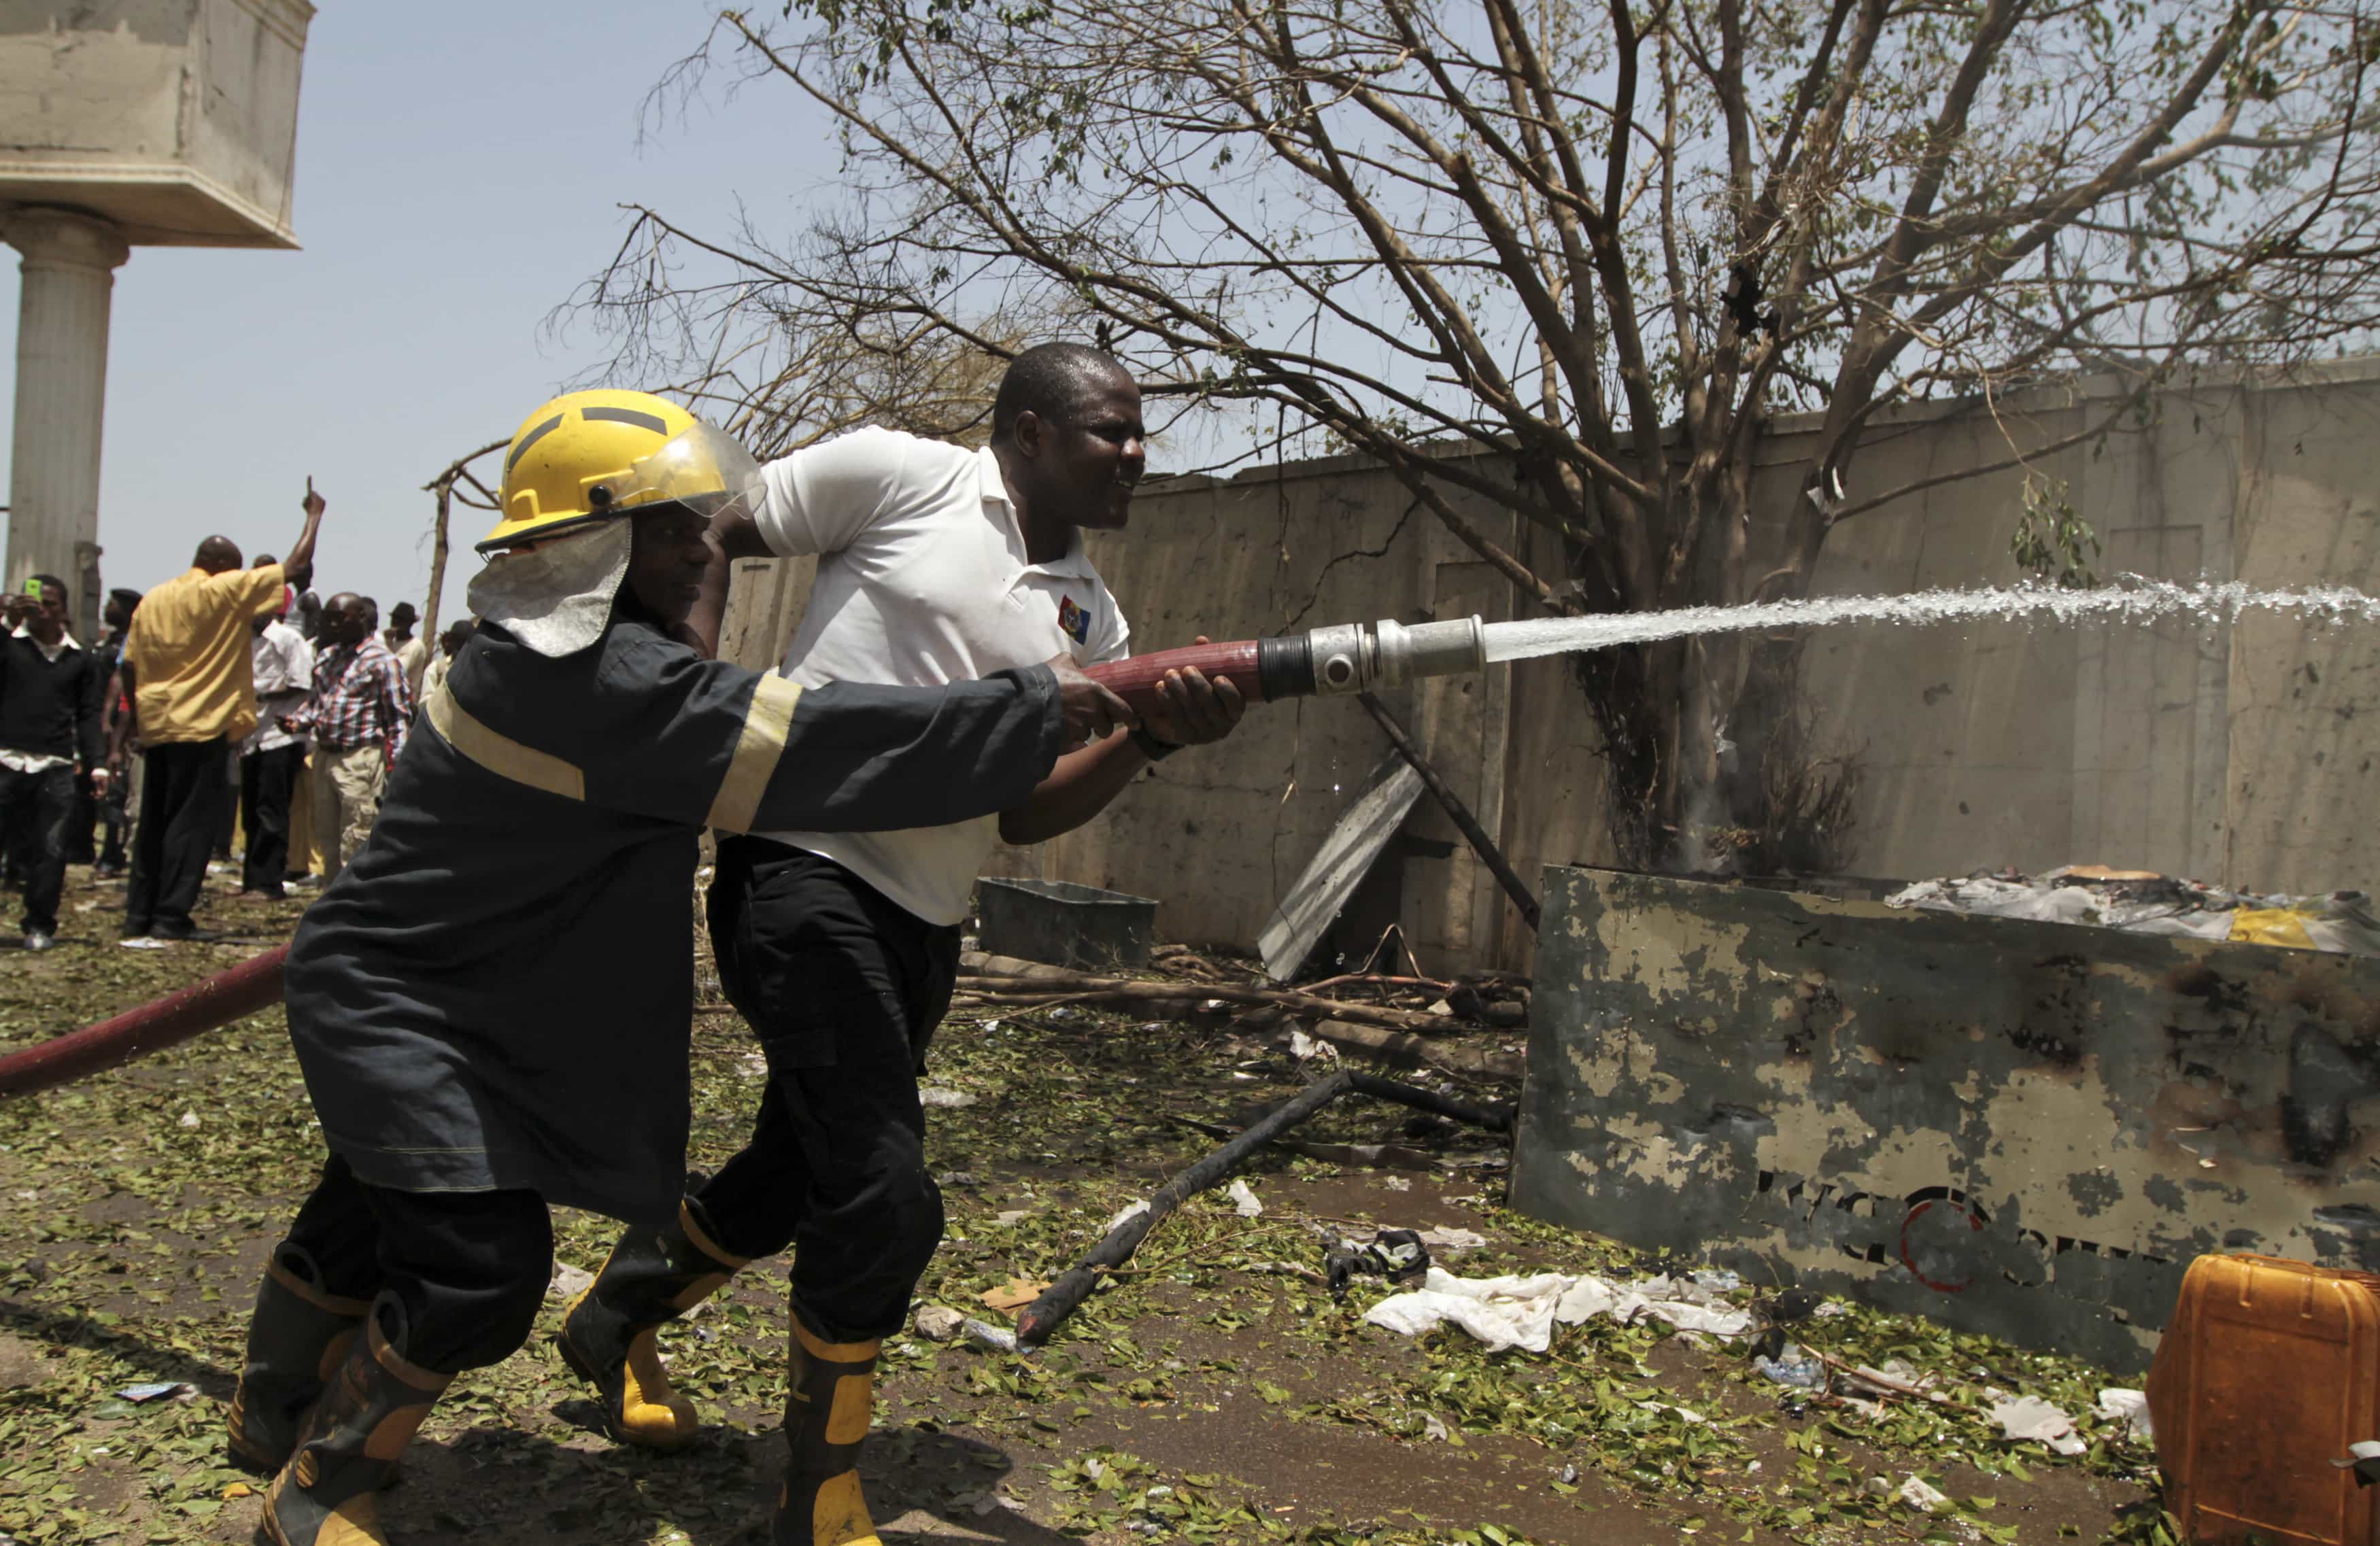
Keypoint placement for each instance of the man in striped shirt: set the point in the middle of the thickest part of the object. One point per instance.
(357, 719)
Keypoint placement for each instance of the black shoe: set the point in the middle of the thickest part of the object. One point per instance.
(299, 1334)
(349, 1446)
(608, 1335)
(829, 1400)
(172, 930)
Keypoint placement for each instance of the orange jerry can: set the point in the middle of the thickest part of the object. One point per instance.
(2267, 1371)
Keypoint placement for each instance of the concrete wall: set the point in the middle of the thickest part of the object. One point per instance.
(2019, 1128)
(175, 119)
(2237, 755)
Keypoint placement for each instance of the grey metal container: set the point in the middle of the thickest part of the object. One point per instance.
(1063, 923)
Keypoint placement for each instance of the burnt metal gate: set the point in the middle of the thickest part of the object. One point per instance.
(2018, 1127)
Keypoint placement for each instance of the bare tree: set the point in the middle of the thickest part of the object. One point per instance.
(1568, 258)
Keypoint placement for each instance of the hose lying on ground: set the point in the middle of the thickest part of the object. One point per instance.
(253, 985)
(1062, 1299)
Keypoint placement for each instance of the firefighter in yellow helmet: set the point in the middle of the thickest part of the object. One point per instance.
(492, 1004)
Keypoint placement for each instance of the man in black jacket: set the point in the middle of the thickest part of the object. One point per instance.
(493, 1002)
(51, 694)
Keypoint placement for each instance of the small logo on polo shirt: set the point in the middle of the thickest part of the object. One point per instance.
(1075, 621)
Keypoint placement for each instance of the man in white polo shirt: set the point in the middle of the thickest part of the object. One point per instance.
(938, 564)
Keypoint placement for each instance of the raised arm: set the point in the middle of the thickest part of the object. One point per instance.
(299, 567)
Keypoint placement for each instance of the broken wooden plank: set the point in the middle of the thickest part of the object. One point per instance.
(1332, 874)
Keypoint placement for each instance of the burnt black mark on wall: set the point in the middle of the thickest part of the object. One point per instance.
(2327, 1081)
(2093, 1192)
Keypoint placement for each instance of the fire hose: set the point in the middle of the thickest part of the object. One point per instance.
(1344, 659)
(253, 985)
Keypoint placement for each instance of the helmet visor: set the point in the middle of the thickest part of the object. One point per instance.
(701, 467)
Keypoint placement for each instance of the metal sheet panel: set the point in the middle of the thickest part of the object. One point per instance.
(2016, 1128)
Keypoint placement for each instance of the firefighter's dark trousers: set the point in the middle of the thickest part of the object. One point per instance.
(471, 1266)
(844, 989)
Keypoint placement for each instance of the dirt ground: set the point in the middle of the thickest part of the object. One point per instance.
(1202, 1397)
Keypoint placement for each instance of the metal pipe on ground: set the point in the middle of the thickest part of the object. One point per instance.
(1044, 1315)
(253, 985)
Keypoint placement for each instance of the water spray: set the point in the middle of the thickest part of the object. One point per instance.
(1354, 658)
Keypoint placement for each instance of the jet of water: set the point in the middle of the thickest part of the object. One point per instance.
(2132, 600)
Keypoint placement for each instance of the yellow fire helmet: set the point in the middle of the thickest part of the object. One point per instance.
(589, 457)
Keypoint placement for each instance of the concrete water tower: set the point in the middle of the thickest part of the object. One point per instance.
(123, 124)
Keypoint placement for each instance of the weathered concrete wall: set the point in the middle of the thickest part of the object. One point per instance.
(2017, 1128)
(2231, 755)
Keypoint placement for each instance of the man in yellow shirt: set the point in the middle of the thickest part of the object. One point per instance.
(188, 661)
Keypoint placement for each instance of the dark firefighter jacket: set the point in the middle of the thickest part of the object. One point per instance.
(498, 990)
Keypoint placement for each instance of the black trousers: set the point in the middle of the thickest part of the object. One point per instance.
(184, 785)
(226, 811)
(116, 816)
(80, 849)
(844, 989)
(266, 779)
(34, 810)
(471, 1267)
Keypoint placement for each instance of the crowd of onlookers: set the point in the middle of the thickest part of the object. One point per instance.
(230, 704)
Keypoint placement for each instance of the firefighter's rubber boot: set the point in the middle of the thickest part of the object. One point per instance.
(608, 1337)
(297, 1340)
(831, 1400)
(348, 1448)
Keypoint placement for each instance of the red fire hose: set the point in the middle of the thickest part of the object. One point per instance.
(253, 985)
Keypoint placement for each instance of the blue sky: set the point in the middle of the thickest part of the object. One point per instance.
(458, 172)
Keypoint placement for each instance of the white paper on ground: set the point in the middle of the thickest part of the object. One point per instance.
(1242, 1198)
(1452, 1239)
(1918, 1495)
(2029, 1417)
(1515, 1312)
(2130, 1408)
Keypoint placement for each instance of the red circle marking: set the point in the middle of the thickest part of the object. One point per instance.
(1910, 1262)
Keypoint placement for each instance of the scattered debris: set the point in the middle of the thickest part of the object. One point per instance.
(1126, 1215)
(1124, 1234)
(568, 1282)
(2031, 1418)
(2143, 902)
(1015, 1294)
(2131, 1408)
(1395, 1254)
(1452, 1239)
(1791, 1366)
(947, 1100)
(1244, 1202)
(187, 1120)
(155, 1390)
(1000, 1339)
(939, 1322)
(1919, 1496)
(1306, 1048)
(1515, 1312)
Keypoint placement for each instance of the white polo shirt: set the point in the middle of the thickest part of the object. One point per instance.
(922, 581)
